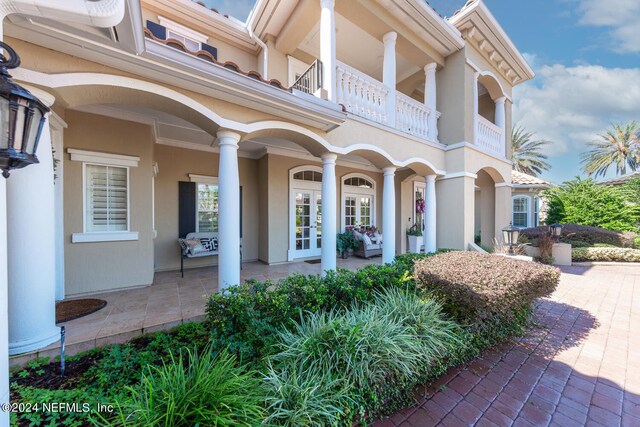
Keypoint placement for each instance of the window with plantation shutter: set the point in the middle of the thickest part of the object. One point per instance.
(106, 198)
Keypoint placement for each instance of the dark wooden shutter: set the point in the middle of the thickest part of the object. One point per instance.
(157, 30)
(186, 208)
(212, 50)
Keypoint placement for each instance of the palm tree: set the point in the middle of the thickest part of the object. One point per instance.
(620, 145)
(526, 152)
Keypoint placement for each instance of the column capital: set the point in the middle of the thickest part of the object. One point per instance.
(501, 100)
(390, 37)
(431, 178)
(228, 137)
(389, 171)
(430, 67)
(327, 4)
(329, 158)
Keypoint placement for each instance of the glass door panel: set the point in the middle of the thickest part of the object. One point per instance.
(318, 228)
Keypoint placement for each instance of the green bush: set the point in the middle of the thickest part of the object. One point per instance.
(476, 288)
(605, 254)
(245, 317)
(585, 202)
(197, 390)
(377, 350)
(584, 235)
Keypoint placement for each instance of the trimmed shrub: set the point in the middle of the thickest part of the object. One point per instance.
(476, 288)
(605, 254)
(586, 234)
(191, 391)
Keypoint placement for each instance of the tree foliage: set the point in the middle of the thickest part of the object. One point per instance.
(619, 146)
(527, 153)
(585, 202)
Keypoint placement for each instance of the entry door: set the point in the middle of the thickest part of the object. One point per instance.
(307, 232)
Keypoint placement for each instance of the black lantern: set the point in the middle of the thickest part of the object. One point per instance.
(511, 235)
(22, 117)
(555, 230)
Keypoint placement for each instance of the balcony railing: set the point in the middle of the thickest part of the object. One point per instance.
(360, 94)
(311, 80)
(490, 137)
(412, 116)
(366, 97)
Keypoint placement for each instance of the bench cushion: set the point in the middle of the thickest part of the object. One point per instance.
(199, 244)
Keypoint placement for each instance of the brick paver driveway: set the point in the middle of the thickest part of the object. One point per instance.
(580, 365)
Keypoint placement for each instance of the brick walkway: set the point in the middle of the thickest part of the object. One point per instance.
(580, 365)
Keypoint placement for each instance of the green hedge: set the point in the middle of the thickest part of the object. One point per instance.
(584, 235)
(605, 254)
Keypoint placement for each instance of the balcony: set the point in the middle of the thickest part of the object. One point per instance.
(490, 137)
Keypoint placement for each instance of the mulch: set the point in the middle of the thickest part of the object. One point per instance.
(73, 309)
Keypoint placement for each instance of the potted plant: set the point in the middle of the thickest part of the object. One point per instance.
(414, 235)
(346, 242)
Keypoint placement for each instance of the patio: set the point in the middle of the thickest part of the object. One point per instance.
(575, 367)
(168, 302)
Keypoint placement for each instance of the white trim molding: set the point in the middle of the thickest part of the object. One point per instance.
(459, 175)
(103, 158)
(504, 184)
(110, 236)
(182, 30)
(203, 179)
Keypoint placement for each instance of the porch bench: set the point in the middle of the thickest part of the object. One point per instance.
(197, 245)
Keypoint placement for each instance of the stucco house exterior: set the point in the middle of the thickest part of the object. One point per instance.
(275, 134)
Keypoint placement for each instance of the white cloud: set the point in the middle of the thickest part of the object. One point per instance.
(620, 16)
(572, 105)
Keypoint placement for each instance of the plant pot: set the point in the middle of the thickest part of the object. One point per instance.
(415, 243)
(345, 254)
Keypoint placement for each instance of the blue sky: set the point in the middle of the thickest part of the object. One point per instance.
(586, 55)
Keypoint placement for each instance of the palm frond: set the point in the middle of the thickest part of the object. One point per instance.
(619, 146)
(527, 152)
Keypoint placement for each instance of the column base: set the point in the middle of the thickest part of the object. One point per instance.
(36, 343)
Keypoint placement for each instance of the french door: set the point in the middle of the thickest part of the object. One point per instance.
(306, 231)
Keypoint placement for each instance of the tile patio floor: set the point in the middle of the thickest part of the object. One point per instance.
(579, 366)
(168, 302)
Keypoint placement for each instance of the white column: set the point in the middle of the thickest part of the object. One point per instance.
(328, 47)
(32, 258)
(228, 211)
(389, 74)
(329, 228)
(430, 206)
(430, 99)
(500, 120)
(389, 215)
(475, 107)
(57, 141)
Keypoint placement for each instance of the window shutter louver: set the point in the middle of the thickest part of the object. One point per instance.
(107, 199)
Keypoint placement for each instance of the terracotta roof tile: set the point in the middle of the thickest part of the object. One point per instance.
(203, 54)
(619, 180)
(519, 178)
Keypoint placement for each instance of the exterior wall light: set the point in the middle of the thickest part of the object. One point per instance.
(511, 235)
(22, 117)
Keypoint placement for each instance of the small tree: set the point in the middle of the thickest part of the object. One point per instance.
(584, 202)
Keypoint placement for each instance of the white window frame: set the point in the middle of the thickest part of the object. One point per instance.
(206, 180)
(303, 185)
(182, 31)
(527, 200)
(536, 211)
(110, 160)
(348, 190)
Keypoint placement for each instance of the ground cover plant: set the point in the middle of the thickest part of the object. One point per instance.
(605, 254)
(334, 350)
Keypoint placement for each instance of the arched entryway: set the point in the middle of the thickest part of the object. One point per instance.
(492, 207)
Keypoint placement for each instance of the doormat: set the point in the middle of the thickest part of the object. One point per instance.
(73, 309)
(313, 261)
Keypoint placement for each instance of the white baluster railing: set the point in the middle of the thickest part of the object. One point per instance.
(490, 137)
(412, 116)
(360, 94)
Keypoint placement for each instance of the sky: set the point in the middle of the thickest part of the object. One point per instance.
(586, 56)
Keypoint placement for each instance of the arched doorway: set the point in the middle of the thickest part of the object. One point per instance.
(305, 212)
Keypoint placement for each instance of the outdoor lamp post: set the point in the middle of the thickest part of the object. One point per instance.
(22, 117)
(555, 230)
(511, 235)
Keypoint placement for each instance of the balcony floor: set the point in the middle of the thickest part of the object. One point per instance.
(168, 302)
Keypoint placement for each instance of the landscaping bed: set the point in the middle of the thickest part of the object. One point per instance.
(605, 254)
(337, 350)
